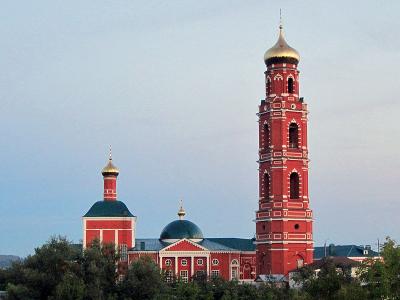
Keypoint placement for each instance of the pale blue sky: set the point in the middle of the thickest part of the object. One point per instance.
(174, 87)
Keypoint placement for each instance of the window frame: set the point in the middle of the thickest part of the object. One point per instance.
(293, 136)
(184, 276)
(294, 187)
(215, 273)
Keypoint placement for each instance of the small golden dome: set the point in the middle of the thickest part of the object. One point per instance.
(181, 211)
(110, 169)
(281, 52)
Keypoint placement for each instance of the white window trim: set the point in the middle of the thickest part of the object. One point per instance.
(184, 275)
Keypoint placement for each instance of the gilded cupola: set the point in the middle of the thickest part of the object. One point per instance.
(281, 52)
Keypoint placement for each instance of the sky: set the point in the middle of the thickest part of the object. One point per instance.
(174, 87)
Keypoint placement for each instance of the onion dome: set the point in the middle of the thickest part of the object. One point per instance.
(181, 212)
(281, 52)
(110, 169)
(181, 229)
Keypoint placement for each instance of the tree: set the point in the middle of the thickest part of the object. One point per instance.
(98, 267)
(143, 280)
(39, 274)
(382, 277)
(325, 284)
(71, 287)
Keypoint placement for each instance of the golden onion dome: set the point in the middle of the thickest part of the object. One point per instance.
(181, 213)
(110, 169)
(281, 52)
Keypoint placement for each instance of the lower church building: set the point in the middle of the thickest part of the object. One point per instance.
(181, 250)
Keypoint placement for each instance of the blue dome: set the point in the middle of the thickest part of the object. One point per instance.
(181, 229)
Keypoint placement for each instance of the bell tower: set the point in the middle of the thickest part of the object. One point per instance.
(284, 239)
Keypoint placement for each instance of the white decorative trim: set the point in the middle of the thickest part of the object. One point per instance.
(183, 240)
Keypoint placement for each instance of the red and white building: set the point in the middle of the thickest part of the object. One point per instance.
(181, 250)
(110, 221)
(283, 221)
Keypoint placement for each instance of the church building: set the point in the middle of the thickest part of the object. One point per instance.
(283, 239)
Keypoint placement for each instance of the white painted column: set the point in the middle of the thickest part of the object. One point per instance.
(208, 265)
(84, 233)
(176, 266)
(192, 265)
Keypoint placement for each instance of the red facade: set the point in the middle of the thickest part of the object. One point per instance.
(109, 221)
(185, 259)
(284, 219)
(284, 240)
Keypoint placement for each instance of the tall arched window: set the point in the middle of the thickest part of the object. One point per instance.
(290, 85)
(293, 136)
(266, 186)
(268, 87)
(294, 185)
(266, 137)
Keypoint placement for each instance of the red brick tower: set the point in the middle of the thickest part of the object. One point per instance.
(110, 221)
(284, 220)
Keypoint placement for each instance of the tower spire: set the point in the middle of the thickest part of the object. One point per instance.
(181, 211)
(110, 173)
(280, 19)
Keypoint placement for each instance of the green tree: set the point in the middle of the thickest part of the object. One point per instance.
(143, 280)
(39, 274)
(99, 271)
(327, 283)
(382, 277)
(71, 287)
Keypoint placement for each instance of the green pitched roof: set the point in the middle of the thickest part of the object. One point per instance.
(236, 243)
(343, 250)
(109, 209)
(213, 244)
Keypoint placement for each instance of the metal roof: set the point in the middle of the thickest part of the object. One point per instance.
(343, 250)
(212, 244)
(236, 243)
(109, 209)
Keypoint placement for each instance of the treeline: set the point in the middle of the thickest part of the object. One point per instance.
(60, 270)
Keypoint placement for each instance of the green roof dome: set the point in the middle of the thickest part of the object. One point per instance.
(109, 209)
(181, 229)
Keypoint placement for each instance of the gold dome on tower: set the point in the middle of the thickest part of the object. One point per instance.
(110, 168)
(181, 211)
(281, 52)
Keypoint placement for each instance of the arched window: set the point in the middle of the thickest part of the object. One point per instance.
(266, 137)
(293, 136)
(294, 185)
(268, 87)
(290, 85)
(266, 186)
(300, 263)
